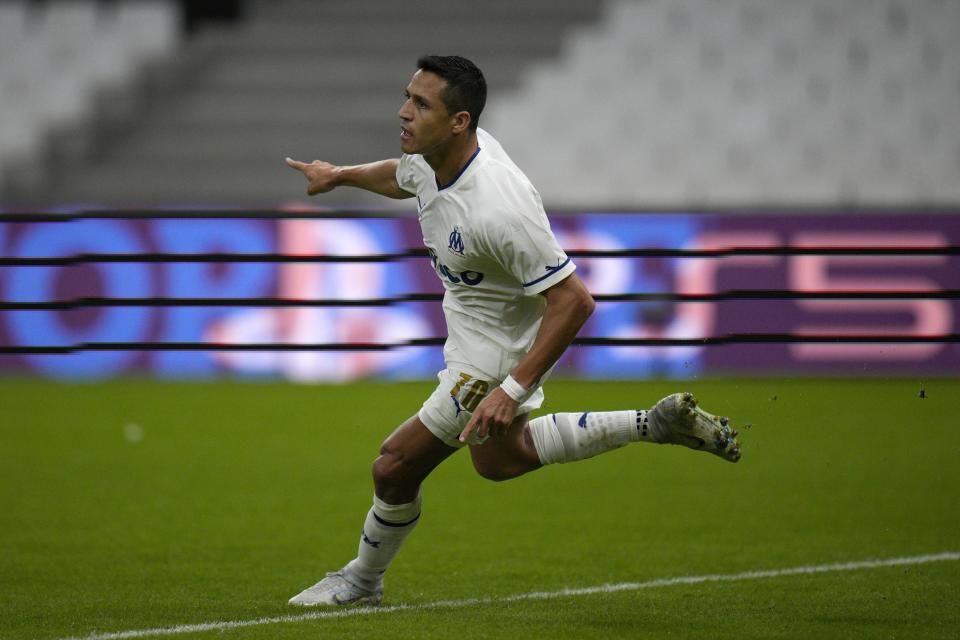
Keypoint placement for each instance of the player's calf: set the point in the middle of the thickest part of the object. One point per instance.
(566, 437)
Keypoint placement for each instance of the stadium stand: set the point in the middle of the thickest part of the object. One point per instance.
(305, 79)
(725, 103)
(616, 104)
(61, 64)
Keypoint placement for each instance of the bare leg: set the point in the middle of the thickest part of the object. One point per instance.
(508, 456)
(407, 457)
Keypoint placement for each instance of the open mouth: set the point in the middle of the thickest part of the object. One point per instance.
(405, 133)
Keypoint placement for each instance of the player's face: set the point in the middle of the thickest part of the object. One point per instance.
(425, 124)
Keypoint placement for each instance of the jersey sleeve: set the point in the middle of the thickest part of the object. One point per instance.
(406, 174)
(527, 249)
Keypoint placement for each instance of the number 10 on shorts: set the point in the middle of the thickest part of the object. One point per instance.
(474, 391)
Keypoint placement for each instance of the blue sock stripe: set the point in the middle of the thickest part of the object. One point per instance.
(395, 524)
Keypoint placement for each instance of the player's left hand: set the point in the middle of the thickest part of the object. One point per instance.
(493, 416)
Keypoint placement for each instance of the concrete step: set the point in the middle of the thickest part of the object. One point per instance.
(270, 69)
(277, 68)
(224, 143)
(244, 184)
(391, 9)
(253, 107)
(474, 39)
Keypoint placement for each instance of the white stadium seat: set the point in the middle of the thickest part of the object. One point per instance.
(751, 101)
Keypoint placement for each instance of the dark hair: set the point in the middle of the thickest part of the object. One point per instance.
(466, 87)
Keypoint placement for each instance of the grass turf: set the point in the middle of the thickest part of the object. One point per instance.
(239, 495)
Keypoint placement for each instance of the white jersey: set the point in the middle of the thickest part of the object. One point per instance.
(491, 245)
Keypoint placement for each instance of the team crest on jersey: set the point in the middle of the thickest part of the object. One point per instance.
(456, 241)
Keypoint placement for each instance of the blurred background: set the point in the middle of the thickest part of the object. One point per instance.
(701, 123)
(605, 103)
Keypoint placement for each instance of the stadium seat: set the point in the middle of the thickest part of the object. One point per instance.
(55, 59)
(646, 102)
(794, 102)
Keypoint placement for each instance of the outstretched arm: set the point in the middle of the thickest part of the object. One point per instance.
(569, 304)
(378, 177)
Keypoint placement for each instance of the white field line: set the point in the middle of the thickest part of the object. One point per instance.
(946, 556)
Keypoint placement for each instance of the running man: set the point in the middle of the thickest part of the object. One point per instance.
(512, 303)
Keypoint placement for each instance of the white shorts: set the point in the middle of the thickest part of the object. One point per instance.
(448, 409)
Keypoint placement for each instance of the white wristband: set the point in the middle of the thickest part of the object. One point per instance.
(513, 389)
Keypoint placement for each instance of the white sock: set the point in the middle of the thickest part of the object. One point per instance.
(385, 529)
(565, 437)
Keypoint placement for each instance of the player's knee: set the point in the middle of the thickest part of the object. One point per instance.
(386, 470)
(391, 470)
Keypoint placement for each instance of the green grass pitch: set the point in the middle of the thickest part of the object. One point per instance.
(227, 498)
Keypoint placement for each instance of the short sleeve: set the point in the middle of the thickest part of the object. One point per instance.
(527, 249)
(406, 175)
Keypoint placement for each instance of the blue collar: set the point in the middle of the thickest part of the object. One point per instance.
(441, 187)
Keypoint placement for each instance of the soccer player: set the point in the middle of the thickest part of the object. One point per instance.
(512, 304)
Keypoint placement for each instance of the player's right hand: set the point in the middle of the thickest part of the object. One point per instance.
(321, 176)
(493, 416)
